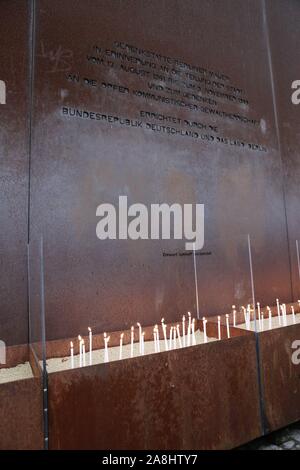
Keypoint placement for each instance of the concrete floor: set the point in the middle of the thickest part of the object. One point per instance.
(284, 439)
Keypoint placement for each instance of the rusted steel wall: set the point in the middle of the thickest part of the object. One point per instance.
(78, 163)
(280, 376)
(21, 405)
(14, 141)
(194, 398)
(21, 418)
(283, 23)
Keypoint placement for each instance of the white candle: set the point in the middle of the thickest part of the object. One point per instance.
(178, 334)
(106, 340)
(140, 336)
(278, 312)
(259, 316)
(262, 322)
(121, 345)
(72, 354)
(83, 353)
(80, 351)
(193, 332)
(90, 344)
(183, 330)
(189, 329)
(131, 341)
(234, 315)
(165, 334)
(204, 329)
(157, 337)
(293, 313)
(155, 340)
(227, 325)
(270, 318)
(284, 315)
(174, 338)
(248, 315)
(170, 338)
(219, 327)
(245, 317)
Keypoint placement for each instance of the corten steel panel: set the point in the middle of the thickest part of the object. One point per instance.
(193, 398)
(14, 27)
(283, 23)
(21, 415)
(280, 377)
(79, 163)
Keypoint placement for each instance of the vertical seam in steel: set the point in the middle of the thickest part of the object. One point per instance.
(31, 93)
(31, 41)
(257, 349)
(260, 386)
(275, 110)
(44, 355)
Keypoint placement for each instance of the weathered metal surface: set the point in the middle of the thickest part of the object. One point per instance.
(21, 422)
(194, 398)
(61, 347)
(283, 25)
(15, 355)
(241, 319)
(21, 406)
(14, 115)
(79, 163)
(280, 376)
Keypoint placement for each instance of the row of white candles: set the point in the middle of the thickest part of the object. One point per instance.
(187, 338)
(182, 339)
(177, 338)
(281, 314)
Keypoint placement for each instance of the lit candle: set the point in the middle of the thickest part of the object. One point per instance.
(193, 332)
(245, 317)
(106, 340)
(204, 329)
(259, 317)
(178, 334)
(90, 344)
(83, 352)
(165, 333)
(140, 336)
(131, 341)
(270, 318)
(174, 338)
(293, 313)
(219, 327)
(227, 325)
(234, 315)
(171, 336)
(157, 336)
(248, 315)
(183, 330)
(121, 345)
(80, 350)
(284, 315)
(189, 329)
(278, 312)
(72, 354)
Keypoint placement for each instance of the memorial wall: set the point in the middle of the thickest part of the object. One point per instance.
(161, 102)
(14, 169)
